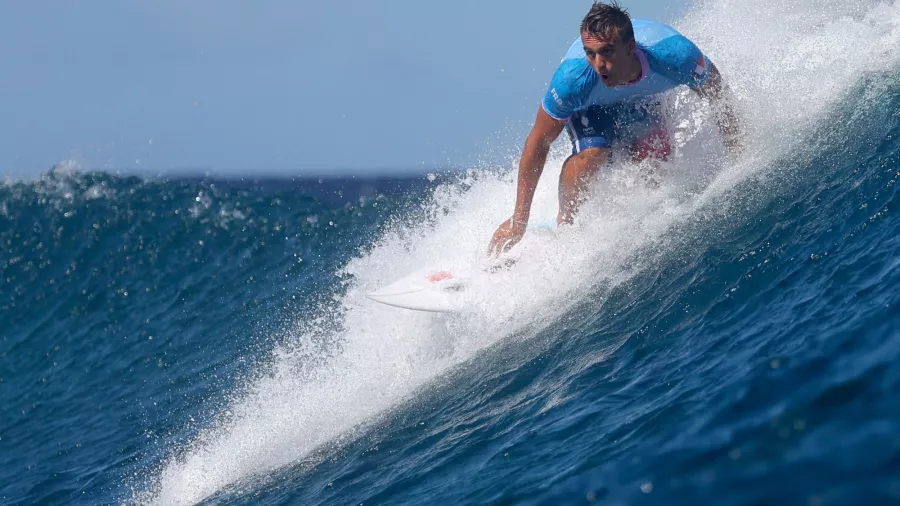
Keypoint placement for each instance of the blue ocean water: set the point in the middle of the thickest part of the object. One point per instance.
(731, 341)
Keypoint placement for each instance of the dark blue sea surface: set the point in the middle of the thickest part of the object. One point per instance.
(204, 341)
(126, 301)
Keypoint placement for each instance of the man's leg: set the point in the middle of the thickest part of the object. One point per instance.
(576, 173)
(592, 132)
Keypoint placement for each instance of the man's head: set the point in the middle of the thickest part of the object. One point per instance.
(608, 39)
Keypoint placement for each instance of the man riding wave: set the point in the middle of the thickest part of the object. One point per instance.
(606, 94)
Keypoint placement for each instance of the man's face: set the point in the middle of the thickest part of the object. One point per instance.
(610, 57)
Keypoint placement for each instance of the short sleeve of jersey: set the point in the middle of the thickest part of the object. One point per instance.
(570, 88)
(681, 60)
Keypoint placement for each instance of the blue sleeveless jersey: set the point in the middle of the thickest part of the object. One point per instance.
(668, 59)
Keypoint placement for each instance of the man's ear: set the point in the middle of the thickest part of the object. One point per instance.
(631, 45)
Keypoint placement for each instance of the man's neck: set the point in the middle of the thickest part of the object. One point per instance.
(638, 71)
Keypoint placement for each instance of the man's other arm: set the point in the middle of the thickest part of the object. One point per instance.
(727, 120)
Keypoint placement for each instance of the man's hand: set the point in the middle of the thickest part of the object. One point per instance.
(508, 234)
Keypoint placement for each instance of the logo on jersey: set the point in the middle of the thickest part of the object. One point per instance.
(556, 96)
(588, 129)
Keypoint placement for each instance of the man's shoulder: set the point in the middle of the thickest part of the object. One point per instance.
(649, 33)
(670, 53)
(574, 75)
(663, 44)
(571, 85)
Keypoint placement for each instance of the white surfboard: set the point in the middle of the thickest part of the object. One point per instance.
(439, 291)
(442, 290)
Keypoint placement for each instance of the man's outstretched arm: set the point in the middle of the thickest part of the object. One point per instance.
(545, 130)
(727, 120)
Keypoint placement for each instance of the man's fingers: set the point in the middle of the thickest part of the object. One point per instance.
(494, 246)
(498, 246)
(501, 246)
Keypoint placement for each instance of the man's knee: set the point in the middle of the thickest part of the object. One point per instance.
(586, 161)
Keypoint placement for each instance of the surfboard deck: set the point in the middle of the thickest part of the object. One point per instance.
(444, 290)
(434, 290)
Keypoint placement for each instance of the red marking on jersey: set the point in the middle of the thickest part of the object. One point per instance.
(434, 277)
(700, 69)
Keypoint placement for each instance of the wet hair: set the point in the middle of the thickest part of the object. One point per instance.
(608, 20)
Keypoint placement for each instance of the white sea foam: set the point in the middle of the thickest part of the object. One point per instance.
(789, 63)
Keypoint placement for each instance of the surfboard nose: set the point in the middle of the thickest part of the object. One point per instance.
(432, 290)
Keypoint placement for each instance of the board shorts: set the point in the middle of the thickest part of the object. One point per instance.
(639, 129)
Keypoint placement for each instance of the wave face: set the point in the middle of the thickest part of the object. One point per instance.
(730, 337)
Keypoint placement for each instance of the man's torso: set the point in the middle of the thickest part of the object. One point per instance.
(668, 59)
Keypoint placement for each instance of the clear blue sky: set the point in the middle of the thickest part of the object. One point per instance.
(276, 86)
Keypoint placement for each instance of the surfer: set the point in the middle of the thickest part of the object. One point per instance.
(606, 94)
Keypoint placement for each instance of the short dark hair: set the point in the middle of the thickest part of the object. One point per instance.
(608, 20)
